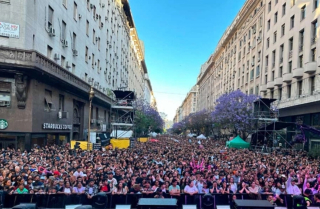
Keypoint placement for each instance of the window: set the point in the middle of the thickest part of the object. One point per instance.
(49, 51)
(280, 71)
(48, 99)
(283, 30)
(61, 102)
(290, 67)
(269, 6)
(272, 76)
(50, 17)
(293, 2)
(273, 58)
(276, 2)
(284, 9)
(85, 77)
(303, 12)
(258, 71)
(74, 41)
(299, 88)
(251, 75)
(75, 11)
(268, 42)
(257, 90)
(87, 28)
(73, 68)
(265, 79)
(88, 4)
(291, 44)
(93, 36)
(275, 37)
(313, 54)
(268, 25)
(98, 66)
(64, 3)
(247, 77)
(251, 91)
(292, 22)
(301, 61)
(87, 54)
(301, 40)
(92, 60)
(63, 61)
(267, 61)
(280, 93)
(312, 84)
(315, 4)
(5, 93)
(314, 26)
(63, 30)
(289, 91)
(281, 53)
(271, 94)
(275, 17)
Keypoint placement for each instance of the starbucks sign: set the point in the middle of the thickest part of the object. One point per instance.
(3, 124)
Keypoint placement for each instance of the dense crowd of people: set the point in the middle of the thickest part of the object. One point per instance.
(169, 166)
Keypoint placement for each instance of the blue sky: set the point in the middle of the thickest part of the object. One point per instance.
(179, 36)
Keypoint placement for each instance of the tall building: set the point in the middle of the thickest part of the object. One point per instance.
(270, 49)
(188, 106)
(291, 61)
(236, 62)
(51, 53)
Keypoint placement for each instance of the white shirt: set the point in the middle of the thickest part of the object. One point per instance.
(189, 189)
(294, 190)
(77, 174)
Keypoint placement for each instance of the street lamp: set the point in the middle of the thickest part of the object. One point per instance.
(91, 95)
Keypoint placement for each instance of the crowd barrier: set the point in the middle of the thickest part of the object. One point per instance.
(61, 200)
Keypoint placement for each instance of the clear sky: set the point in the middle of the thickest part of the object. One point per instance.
(179, 36)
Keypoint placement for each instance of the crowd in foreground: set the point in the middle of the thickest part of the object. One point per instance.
(168, 166)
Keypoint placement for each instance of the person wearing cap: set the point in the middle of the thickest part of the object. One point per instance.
(292, 188)
(306, 196)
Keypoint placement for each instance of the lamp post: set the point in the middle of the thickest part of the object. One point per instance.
(91, 95)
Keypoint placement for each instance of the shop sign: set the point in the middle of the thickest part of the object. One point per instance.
(3, 124)
(96, 146)
(9, 30)
(52, 126)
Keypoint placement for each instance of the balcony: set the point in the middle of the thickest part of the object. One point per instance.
(270, 85)
(310, 67)
(287, 77)
(266, 69)
(297, 73)
(301, 48)
(263, 88)
(278, 81)
(281, 60)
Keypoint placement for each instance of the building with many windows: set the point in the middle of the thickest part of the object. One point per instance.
(51, 53)
(270, 50)
(188, 106)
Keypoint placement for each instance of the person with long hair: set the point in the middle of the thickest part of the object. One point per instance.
(119, 189)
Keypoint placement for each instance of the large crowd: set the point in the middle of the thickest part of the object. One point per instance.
(169, 166)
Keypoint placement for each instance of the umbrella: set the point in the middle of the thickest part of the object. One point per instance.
(154, 140)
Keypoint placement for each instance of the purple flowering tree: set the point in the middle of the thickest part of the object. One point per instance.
(234, 113)
(147, 119)
(199, 122)
(177, 128)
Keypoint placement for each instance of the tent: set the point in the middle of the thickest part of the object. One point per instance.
(237, 142)
(191, 135)
(201, 136)
(153, 134)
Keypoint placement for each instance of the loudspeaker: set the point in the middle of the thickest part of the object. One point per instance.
(223, 206)
(100, 200)
(189, 206)
(123, 206)
(207, 200)
(84, 207)
(25, 206)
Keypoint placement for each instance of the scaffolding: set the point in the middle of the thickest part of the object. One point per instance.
(266, 136)
(122, 114)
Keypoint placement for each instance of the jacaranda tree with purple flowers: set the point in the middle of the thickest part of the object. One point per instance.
(147, 119)
(234, 113)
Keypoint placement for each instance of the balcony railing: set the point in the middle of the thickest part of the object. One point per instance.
(313, 40)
